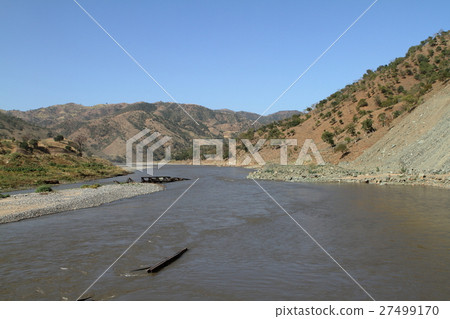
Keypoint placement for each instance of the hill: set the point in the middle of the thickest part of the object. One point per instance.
(108, 126)
(25, 165)
(353, 119)
(14, 127)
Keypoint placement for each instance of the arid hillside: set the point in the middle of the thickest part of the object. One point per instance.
(14, 127)
(106, 127)
(385, 102)
(420, 142)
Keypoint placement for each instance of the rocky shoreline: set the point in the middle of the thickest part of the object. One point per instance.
(337, 174)
(23, 206)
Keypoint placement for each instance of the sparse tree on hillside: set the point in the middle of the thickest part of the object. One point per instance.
(80, 143)
(367, 125)
(327, 137)
(33, 143)
(341, 147)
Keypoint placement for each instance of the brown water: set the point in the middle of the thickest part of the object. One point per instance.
(395, 241)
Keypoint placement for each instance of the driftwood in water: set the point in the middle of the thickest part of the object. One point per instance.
(164, 263)
(86, 299)
(161, 179)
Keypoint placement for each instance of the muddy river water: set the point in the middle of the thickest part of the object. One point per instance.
(393, 240)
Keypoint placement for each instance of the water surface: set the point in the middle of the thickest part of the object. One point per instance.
(394, 240)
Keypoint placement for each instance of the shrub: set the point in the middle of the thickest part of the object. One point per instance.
(382, 118)
(24, 145)
(378, 101)
(396, 114)
(69, 148)
(351, 129)
(327, 137)
(362, 103)
(44, 189)
(341, 147)
(4, 195)
(58, 138)
(367, 125)
(33, 143)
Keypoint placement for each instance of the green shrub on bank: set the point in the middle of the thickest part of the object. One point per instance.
(44, 189)
(4, 195)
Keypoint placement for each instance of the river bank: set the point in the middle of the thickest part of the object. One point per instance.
(337, 174)
(22, 206)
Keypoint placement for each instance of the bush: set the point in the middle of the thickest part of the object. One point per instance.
(24, 145)
(33, 143)
(396, 114)
(69, 148)
(351, 129)
(382, 118)
(4, 195)
(367, 125)
(58, 138)
(44, 189)
(362, 103)
(327, 137)
(341, 147)
(378, 101)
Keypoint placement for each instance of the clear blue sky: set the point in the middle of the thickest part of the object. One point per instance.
(221, 54)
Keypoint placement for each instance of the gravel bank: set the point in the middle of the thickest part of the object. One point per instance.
(22, 206)
(337, 174)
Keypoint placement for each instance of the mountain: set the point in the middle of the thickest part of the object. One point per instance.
(383, 106)
(108, 126)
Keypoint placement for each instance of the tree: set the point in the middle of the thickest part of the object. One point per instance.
(58, 138)
(80, 143)
(351, 129)
(33, 143)
(341, 147)
(367, 125)
(327, 137)
(382, 118)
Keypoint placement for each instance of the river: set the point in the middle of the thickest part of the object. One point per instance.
(393, 240)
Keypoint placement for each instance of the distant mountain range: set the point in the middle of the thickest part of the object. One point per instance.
(108, 126)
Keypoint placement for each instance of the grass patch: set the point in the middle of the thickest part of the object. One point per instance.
(94, 186)
(18, 171)
(44, 189)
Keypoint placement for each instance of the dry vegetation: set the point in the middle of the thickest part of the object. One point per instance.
(27, 164)
(351, 120)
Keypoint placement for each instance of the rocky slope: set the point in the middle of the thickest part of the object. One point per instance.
(385, 105)
(420, 142)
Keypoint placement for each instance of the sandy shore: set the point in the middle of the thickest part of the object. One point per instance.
(23, 206)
